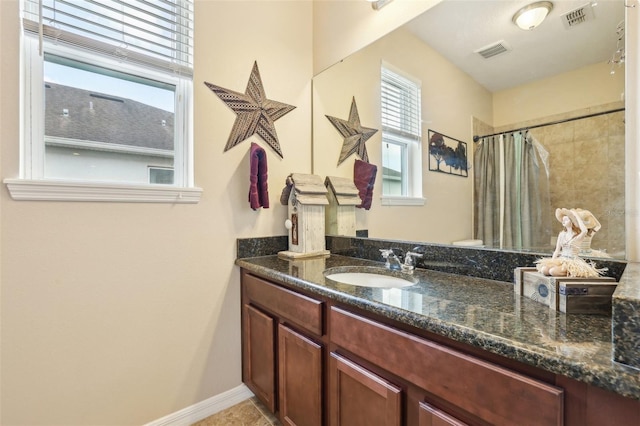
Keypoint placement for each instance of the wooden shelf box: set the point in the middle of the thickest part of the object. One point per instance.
(575, 295)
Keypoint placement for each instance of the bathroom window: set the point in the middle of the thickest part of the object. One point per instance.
(107, 90)
(401, 138)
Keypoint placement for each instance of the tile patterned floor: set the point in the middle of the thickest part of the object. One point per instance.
(247, 413)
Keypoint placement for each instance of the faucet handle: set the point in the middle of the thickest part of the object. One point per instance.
(410, 261)
(393, 250)
(390, 257)
(410, 258)
(386, 252)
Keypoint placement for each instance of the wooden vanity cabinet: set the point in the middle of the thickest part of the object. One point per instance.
(282, 350)
(316, 362)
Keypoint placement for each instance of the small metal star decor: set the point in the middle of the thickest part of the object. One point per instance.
(355, 135)
(255, 114)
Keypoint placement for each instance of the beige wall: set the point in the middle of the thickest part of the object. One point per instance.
(590, 86)
(449, 99)
(122, 313)
(342, 27)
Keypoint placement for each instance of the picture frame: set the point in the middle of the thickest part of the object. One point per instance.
(447, 155)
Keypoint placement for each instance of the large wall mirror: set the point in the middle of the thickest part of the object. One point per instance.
(555, 81)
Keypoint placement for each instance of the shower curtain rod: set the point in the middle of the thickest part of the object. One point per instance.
(477, 138)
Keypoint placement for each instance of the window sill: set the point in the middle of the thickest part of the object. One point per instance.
(402, 201)
(49, 190)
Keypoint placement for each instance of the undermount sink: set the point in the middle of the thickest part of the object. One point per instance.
(368, 276)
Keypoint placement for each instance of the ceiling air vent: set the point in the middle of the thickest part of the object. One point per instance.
(493, 49)
(577, 16)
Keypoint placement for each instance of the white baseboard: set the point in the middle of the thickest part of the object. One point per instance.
(201, 410)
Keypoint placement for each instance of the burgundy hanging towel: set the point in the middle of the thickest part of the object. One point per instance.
(364, 176)
(258, 191)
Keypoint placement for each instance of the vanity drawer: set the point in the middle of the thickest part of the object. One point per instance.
(285, 304)
(492, 393)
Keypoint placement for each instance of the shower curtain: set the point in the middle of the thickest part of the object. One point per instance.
(512, 205)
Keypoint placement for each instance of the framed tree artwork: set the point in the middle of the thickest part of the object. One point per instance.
(447, 155)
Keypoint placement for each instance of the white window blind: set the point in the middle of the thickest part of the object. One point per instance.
(152, 33)
(401, 105)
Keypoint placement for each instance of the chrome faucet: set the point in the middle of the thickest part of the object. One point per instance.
(392, 261)
(410, 261)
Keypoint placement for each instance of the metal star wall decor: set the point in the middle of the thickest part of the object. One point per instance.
(355, 135)
(254, 112)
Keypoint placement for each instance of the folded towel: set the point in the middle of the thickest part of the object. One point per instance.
(286, 191)
(364, 176)
(258, 190)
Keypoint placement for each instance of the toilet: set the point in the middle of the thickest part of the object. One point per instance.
(468, 243)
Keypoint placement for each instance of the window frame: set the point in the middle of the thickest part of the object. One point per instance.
(390, 138)
(31, 183)
(412, 164)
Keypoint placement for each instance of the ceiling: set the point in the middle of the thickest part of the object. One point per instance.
(457, 28)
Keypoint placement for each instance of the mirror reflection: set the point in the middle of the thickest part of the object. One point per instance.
(548, 111)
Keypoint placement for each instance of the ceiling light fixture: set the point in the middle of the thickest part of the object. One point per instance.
(379, 4)
(532, 15)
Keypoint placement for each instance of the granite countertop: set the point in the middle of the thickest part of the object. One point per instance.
(481, 312)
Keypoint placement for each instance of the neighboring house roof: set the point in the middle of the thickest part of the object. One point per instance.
(84, 115)
(391, 173)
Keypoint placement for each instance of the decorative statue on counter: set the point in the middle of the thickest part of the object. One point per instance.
(593, 226)
(565, 260)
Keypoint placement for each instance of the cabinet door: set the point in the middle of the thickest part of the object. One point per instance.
(300, 374)
(258, 355)
(360, 397)
(431, 416)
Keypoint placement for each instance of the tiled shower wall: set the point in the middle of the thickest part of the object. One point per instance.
(586, 163)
